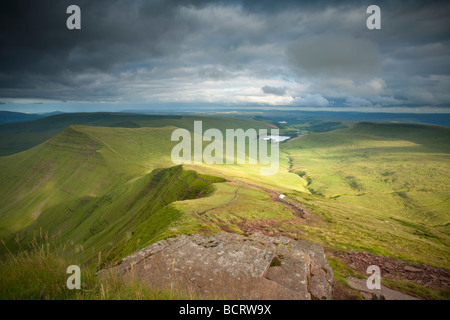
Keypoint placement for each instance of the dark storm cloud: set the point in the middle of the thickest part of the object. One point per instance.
(41, 58)
(320, 52)
(35, 37)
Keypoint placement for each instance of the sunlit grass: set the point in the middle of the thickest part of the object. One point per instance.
(38, 272)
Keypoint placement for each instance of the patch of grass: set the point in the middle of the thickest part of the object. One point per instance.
(212, 179)
(275, 262)
(340, 270)
(38, 272)
(416, 290)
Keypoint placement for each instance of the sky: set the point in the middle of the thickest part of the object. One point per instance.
(305, 55)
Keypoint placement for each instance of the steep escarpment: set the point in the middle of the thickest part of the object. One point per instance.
(81, 188)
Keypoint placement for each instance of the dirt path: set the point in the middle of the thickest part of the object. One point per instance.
(384, 293)
(423, 274)
(223, 205)
(297, 209)
(269, 227)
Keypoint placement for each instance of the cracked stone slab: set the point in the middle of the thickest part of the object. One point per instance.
(234, 266)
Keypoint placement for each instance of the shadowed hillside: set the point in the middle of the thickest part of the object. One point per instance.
(81, 189)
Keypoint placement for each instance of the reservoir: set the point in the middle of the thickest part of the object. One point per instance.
(277, 138)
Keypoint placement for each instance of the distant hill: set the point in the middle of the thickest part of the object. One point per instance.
(14, 117)
(16, 137)
(294, 116)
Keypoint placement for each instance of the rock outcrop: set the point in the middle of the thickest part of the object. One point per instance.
(234, 267)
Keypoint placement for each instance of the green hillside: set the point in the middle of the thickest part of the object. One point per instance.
(381, 187)
(379, 166)
(111, 190)
(80, 182)
(79, 187)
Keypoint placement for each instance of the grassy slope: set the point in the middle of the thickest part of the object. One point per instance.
(85, 185)
(85, 190)
(38, 271)
(385, 189)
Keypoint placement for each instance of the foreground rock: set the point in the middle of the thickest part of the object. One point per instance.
(233, 266)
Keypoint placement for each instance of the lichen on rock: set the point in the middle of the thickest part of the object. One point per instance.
(234, 266)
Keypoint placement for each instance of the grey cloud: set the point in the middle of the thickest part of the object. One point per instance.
(215, 73)
(113, 32)
(335, 55)
(312, 100)
(277, 91)
(150, 49)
